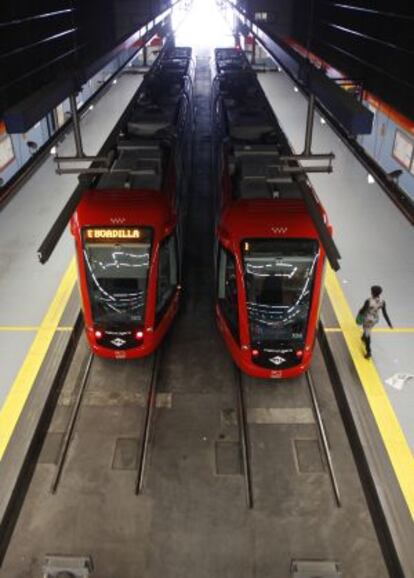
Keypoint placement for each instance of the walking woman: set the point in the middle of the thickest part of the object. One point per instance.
(369, 314)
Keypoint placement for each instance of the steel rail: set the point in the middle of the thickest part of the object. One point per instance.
(146, 430)
(244, 440)
(71, 426)
(324, 438)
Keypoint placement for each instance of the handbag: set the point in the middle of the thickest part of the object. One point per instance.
(359, 319)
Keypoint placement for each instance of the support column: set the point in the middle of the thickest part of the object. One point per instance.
(76, 126)
(309, 125)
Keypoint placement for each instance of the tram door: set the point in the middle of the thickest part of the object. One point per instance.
(227, 291)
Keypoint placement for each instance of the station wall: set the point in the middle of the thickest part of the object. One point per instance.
(391, 145)
(391, 142)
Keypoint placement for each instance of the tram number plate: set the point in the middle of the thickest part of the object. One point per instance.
(274, 374)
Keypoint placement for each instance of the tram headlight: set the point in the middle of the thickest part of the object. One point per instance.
(98, 334)
(139, 335)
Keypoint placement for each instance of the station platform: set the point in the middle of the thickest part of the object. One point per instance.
(374, 239)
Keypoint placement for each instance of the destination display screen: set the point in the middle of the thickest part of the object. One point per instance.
(118, 235)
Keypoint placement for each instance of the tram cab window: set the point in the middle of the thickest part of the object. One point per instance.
(279, 276)
(167, 275)
(227, 291)
(117, 266)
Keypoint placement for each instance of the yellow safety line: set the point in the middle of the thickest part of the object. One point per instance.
(19, 328)
(22, 328)
(20, 390)
(393, 331)
(395, 442)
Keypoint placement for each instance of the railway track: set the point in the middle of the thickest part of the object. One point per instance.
(71, 426)
(323, 437)
(244, 439)
(245, 445)
(147, 427)
(144, 438)
(264, 478)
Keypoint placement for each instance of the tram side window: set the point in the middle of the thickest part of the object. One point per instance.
(167, 275)
(227, 291)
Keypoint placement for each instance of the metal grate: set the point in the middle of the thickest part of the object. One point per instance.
(308, 456)
(315, 569)
(228, 417)
(67, 567)
(125, 455)
(228, 459)
(51, 448)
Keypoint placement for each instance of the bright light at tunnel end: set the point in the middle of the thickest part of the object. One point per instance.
(203, 26)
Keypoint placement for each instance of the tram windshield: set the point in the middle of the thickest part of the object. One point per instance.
(279, 277)
(117, 264)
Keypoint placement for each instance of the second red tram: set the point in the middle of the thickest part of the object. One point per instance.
(127, 229)
(270, 260)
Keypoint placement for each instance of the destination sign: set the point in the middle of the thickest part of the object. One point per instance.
(116, 235)
(113, 234)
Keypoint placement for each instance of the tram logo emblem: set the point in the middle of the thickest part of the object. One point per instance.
(279, 230)
(277, 360)
(118, 342)
(118, 220)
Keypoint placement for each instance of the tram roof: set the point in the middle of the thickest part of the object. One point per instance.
(117, 208)
(267, 218)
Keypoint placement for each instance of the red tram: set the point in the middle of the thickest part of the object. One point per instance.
(270, 260)
(127, 229)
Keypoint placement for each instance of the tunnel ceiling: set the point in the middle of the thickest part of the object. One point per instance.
(44, 41)
(371, 41)
(367, 40)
